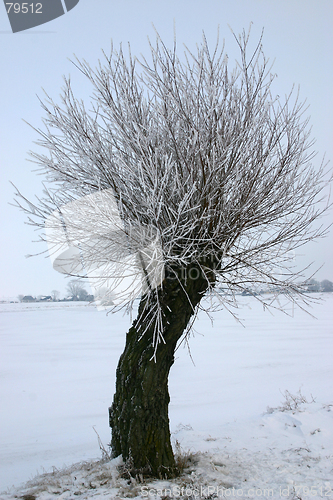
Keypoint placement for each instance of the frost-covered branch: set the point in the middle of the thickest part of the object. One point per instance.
(200, 156)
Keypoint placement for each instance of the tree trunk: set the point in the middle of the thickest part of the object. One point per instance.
(139, 412)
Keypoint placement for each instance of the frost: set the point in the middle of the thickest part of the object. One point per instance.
(180, 165)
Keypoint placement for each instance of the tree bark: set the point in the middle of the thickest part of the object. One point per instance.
(139, 412)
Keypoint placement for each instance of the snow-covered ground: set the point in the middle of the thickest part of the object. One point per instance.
(57, 374)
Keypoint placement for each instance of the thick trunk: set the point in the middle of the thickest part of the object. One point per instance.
(139, 413)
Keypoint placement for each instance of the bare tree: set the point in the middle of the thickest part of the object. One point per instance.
(83, 294)
(326, 286)
(208, 163)
(313, 286)
(76, 289)
(55, 295)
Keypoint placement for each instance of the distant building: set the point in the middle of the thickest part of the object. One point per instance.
(46, 298)
(28, 298)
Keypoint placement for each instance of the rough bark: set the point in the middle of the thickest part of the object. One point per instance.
(139, 413)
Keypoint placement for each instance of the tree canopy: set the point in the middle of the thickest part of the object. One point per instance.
(205, 156)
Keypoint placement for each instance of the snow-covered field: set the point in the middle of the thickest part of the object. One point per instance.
(57, 374)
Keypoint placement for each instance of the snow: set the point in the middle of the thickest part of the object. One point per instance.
(228, 409)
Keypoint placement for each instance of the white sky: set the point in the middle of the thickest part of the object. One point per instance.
(298, 35)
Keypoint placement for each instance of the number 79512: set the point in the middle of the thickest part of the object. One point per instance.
(25, 8)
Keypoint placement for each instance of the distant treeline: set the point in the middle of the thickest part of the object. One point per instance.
(49, 298)
(310, 286)
(77, 292)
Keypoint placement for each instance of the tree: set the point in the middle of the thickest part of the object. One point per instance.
(76, 290)
(313, 286)
(83, 294)
(326, 286)
(55, 295)
(213, 167)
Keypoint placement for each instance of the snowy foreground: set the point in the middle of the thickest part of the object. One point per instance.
(229, 412)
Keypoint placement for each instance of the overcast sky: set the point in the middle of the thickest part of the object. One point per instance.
(298, 35)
